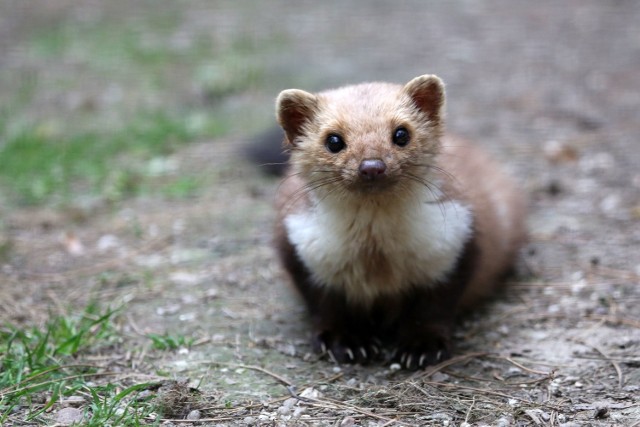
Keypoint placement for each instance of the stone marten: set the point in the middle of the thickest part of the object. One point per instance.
(387, 226)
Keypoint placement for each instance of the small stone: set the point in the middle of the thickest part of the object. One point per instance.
(194, 415)
(249, 420)
(395, 367)
(184, 278)
(283, 410)
(598, 162)
(611, 203)
(439, 377)
(504, 422)
(68, 416)
(310, 393)
(107, 242)
(347, 422)
(290, 403)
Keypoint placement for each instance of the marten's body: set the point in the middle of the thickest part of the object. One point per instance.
(386, 227)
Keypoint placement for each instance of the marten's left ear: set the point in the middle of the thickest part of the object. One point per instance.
(294, 108)
(427, 92)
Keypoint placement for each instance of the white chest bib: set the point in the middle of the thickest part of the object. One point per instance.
(370, 250)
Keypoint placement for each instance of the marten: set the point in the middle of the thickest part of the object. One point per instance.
(387, 226)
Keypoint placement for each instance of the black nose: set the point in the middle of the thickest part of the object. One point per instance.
(372, 169)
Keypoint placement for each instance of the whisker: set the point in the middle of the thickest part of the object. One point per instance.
(311, 187)
(430, 186)
(291, 175)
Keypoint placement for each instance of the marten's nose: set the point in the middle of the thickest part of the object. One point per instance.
(371, 169)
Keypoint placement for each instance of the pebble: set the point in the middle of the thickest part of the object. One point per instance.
(290, 403)
(598, 162)
(504, 422)
(310, 393)
(283, 410)
(107, 242)
(194, 415)
(347, 422)
(68, 416)
(439, 377)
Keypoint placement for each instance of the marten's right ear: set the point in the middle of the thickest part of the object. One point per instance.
(293, 109)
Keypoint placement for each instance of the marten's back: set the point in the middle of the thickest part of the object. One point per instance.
(498, 211)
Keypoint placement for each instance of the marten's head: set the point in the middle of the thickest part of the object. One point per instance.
(369, 138)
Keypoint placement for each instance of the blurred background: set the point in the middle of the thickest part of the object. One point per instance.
(123, 185)
(96, 94)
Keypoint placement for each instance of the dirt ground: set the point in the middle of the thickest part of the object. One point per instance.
(550, 88)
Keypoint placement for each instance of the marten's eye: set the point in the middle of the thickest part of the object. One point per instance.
(401, 136)
(335, 143)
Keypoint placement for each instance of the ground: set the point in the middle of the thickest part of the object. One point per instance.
(178, 241)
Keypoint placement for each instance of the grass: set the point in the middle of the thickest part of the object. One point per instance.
(37, 166)
(104, 102)
(95, 109)
(169, 341)
(39, 365)
(42, 366)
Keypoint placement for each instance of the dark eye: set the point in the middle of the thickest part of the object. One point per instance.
(335, 143)
(401, 136)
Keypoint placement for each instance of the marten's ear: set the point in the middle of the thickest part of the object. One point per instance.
(293, 109)
(427, 93)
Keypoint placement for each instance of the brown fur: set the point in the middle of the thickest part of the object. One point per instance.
(352, 318)
(478, 179)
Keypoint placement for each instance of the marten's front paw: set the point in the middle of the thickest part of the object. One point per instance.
(421, 353)
(346, 348)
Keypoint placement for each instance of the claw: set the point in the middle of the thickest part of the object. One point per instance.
(350, 354)
(364, 353)
(403, 358)
(439, 356)
(409, 358)
(423, 357)
(323, 347)
(332, 357)
(375, 349)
